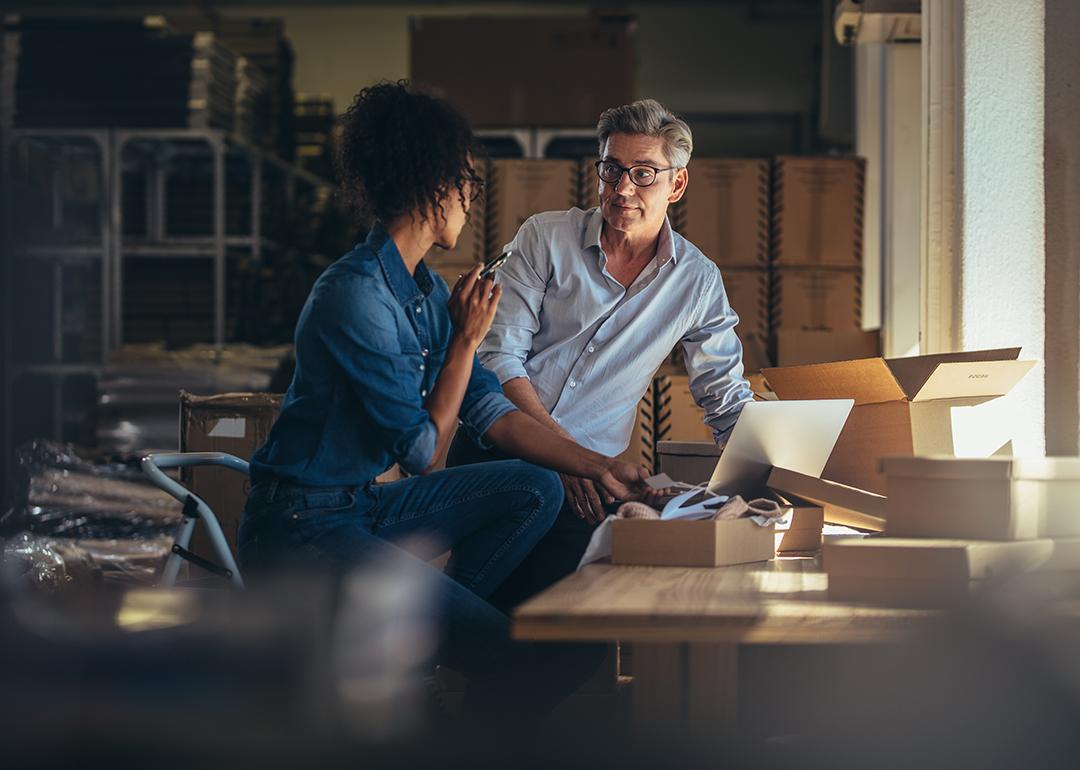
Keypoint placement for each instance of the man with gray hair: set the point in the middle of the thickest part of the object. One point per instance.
(593, 303)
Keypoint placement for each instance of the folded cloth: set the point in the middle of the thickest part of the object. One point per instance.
(737, 508)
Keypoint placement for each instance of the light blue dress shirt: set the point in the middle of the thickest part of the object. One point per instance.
(590, 346)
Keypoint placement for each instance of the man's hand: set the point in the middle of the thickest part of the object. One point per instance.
(472, 306)
(585, 499)
(626, 481)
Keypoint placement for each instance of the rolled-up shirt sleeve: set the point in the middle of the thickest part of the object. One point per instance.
(483, 404)
(360, 333)
(713, 356)
(509, 340)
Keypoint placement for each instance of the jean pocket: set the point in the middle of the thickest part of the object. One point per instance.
(324, 502)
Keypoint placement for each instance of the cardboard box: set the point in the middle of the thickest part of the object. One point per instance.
(1065, 556)
(996, 498)
(913, 594)
(900, 558)
(679, 418)
(690, 543)
(795, 347)
(691, 462)
(235, 423)
(804, 533)
(818, 211)
(816, 299)
(519, 188)
(725, 211)
(572, 67)
(748, 294)
(903, 406)
(841, 504)
(238, 424)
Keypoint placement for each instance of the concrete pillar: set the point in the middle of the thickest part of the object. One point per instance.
(984, 250)
(1062, 227)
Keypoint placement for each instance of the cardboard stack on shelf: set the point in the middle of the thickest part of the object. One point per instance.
(725, 213)
(816, 233)
(518, 188)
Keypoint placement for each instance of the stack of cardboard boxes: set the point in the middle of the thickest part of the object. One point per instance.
(816, 236)
(725, 213)
(960, 526)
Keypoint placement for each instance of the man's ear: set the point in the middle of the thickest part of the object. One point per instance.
(682, 178)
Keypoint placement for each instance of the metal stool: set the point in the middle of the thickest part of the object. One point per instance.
(195, 510)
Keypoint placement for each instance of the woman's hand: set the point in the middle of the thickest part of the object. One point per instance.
(472, 306)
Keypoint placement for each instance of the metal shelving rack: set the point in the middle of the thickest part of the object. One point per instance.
(111, 248)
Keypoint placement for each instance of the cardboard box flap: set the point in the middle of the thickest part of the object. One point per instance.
(867, 380)
(231, 400)
(913, 372)
(973, 379)
(827, 493)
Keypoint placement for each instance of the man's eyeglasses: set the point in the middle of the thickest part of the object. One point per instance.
(611, 172)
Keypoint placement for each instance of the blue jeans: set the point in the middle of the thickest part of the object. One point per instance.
(489, 516)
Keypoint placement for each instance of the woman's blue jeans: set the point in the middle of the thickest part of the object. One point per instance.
(489, 516)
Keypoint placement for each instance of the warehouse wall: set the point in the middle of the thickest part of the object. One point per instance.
(761, 66)
(1062, 227)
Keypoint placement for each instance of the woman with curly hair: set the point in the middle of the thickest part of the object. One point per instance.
(385, 368)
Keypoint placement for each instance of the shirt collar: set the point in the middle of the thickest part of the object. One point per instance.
(665, 248)
(406, 288)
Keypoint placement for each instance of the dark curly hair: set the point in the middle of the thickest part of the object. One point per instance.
(402, 151)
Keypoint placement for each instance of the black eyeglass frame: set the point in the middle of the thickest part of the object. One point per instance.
(627, 170)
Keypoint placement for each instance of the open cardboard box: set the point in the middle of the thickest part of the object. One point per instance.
(904, 406)
(707, 543)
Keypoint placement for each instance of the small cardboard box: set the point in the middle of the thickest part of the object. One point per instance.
(819, 299)
(518, 188)
(904, 406)
(841, 504)
(690, 543)
(818, 211)
(901, 558)
(995, 498)
(691, 462)
(235, 423)
(906, 593)
(725, 211)
(804, 533)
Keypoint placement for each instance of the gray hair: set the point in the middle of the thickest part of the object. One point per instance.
(649, 117)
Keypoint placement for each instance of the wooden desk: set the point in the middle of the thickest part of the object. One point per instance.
(688, 622)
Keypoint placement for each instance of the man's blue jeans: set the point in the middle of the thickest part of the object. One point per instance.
(489, 516)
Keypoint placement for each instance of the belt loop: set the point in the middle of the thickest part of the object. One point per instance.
(271, 491)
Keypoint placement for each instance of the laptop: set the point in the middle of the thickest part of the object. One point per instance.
(797, 435)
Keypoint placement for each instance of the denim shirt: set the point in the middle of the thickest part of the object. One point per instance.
(590, 346)
(370, 343)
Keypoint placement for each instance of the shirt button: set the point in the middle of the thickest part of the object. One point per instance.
(424, 352)
(423, 393)
(421, 367)
(591, 348)
(419, 308)
(573, 384)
